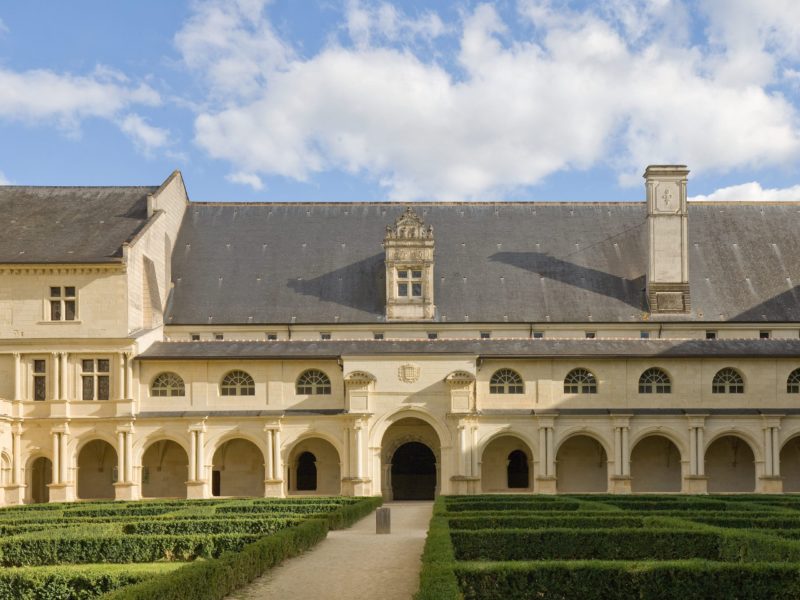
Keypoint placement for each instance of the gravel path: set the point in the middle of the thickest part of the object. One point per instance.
(354, 563)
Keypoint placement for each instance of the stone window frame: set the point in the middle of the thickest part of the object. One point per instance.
(409, 283)
(39, 376)
(655, 380)
(237, 383)
(62, 305)
(313, 382)
(96, 371)
(580, 381)
(506, 381)
(167, 384)
(727, 381)
(793, 382)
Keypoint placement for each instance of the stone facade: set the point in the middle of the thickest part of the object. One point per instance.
(96, 407)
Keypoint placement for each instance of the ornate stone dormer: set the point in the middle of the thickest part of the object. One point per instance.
(409, 269)
(668, 244)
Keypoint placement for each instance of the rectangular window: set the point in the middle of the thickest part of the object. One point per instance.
(432, 335)
(95, 379)
(62, 303)
(590, 335)
(195, 337)
(377, 336)
(764, 335)
(325, 336)
(537, 335)
(272, 337)
(485, 335)
(409, 283)
(645, 335)
(39, 379)
(219, 336)
(711, 335)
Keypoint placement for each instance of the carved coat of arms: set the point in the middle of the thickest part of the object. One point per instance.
(408, 373)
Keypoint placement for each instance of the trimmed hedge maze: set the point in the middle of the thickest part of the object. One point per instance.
(601, 547)
(171, 549)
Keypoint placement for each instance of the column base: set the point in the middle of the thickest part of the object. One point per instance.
(620, 484)
(61, 492)
(126, 491)
(273, 488)
(196, 490)
(546, 485)
(356, 486)
(15, 494)
(770, 484)
(464, 485)
(695, 484)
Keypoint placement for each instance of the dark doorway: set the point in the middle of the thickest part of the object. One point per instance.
(306, 472)
(216, 482)
(518, 470)
(413, 472)
(41, 476)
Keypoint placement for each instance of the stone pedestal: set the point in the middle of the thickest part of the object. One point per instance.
(620, 484)
(695, 484)
(61, 492)
(196, 490)
(770, 484)
(383, 520)
(273, 488)
(464, 485)
(546, 485)
(126, 491)
(15, 494)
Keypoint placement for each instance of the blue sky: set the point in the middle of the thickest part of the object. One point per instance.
(371, 100)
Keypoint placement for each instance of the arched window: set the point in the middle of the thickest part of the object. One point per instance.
(654, 381)
(793, 382)
(580, 381)
(168, 384)
(307, 472)
(727, 381)
(506, 381)
(238, 383)
(517, 474)
(313, 382)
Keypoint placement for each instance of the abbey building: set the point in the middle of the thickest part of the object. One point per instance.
(151, 346)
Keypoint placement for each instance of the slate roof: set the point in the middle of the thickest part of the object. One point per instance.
(69, 224)
(494, 262)
(492, 348)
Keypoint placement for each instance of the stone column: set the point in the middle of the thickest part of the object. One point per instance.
(16, 458)
(474, 470)
(621, 479)
(64, 458)
(120, 376)
(359, 450)
(771, 482)
(129, 375)
(196, 486)
(120, 456)
(462, 450)
(546, 479)
(696, 482)
(192, 456)
(626, 452)
(54, 376)
(17, 376)
(64, 387)
(129, 456)
(276, 454)
(268, 462)
(61, 489)
(56, 457)
(201, 443)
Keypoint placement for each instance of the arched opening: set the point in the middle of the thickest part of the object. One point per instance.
(730, 466)
(314, 468)
(41, 477)
(790, 465)
(5, 465)
(505, 465)
(581, 466)
(165, 469)
(655, 465)
(410, 461)
(97, 470)
(237, 469)
(413, 472)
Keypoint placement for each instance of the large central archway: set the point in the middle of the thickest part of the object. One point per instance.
(410, 456)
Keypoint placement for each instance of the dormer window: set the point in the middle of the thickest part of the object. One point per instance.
(409, 283)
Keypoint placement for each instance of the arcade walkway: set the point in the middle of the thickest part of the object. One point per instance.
(355, 563)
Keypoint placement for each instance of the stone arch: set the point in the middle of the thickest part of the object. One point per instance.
(39, 473)
(327, 466)
(5, 468)
(666, 432)
(165, 469)
(655, 465)
(790, 464)
(410, 458)
(730, 464)
(237, 468)
(97, 469)
(497, 462)
(378, 430)
(582, 464)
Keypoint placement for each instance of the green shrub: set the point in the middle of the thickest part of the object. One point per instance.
(437, 579)
(261, 526)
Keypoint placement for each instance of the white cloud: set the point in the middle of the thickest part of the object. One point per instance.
(145, 136)
(42, 95)
(752, 192)
(383, 21)
(591, 88)
(254, 181)
(3, 180)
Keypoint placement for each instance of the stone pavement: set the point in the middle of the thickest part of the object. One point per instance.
(355, 563)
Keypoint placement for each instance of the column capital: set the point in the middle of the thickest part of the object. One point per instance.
(622, 421)
(198, 427)
(60, 429)
(696, 421)
(127, 428)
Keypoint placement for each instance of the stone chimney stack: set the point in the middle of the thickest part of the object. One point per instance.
(668, 243)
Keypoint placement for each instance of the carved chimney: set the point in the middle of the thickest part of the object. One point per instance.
(668, 244)
(409, 269)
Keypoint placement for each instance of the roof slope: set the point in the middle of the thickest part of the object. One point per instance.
(69, 224)
(515, 262)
